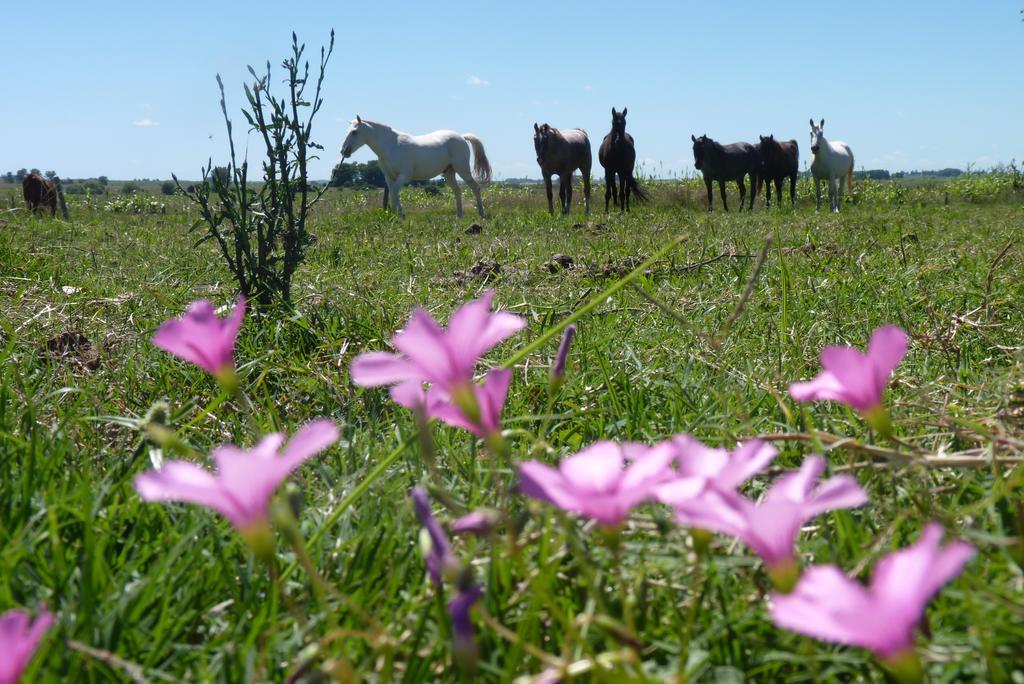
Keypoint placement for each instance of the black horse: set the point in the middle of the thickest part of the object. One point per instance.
(618, 156)
(779, 160)
(723, 163)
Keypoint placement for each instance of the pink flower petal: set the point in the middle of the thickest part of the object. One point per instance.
(19, 638)
(374, 369)
(540, 481)
(596, 469)
(746, 460)
(887, 347)
(825, 387)
(827, 605)
(409, 394)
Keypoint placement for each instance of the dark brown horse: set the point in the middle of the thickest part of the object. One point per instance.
(39, 193)
(618, 156)
(723, 163)
(563, 152)
(779, 160)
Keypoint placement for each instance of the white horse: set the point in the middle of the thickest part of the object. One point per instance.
(405, 158)
(832, 160)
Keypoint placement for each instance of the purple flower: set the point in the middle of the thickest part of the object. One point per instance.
(245, 479)
(700, 467)
(597, 482)
(430, 354)
(558, 369)
(828, 605)
(202, 338)
(439, 557)
(464, 643)
(770, 527)
(19, 637)
(853, 377)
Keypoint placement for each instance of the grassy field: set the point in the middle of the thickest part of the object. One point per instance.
(170, 593)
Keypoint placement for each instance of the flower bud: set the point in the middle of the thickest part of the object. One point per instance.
(558, 368)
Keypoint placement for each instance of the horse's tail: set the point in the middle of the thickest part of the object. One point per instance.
(638, 190)
(849, 174)
(481, 167)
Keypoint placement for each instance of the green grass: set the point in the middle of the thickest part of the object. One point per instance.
(173, 591)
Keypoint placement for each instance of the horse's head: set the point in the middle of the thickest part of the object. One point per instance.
(541, 138)
(355, 138)
(699, 150)
(619, 124)
(817, 136)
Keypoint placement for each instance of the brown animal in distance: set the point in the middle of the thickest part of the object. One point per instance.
(39, 193)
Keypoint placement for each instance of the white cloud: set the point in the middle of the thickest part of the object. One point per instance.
(146, 123)
(477, 81)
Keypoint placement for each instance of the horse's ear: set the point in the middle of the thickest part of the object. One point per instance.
(822, 124)
(624, 110)
(536, 128)
(614, 113)
(358, 120)
(771, 137)
(693, 138)
(812, 122)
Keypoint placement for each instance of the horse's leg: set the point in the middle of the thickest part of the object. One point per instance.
(547, 187)
(742, 182)
(721, 189)
(842, 187)
(449, 176)
(609, 188)
(817, 194)
(627, 189)
(475, 187)
(832, 194)
(568, 194)
(792, 189)
(768, 193)
(778, 190)
(707, 182)
(467, 177)
(561, 195)
(386, 196)
(586, 191)
(395, 188)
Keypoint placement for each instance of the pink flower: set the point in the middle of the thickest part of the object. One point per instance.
(490, 401)
(245, 479)
(853, 377)
(597, 482)
(701, 467)
(828, 605)
(19, 637)
(202, 338)
(770, 527)
(430, 354)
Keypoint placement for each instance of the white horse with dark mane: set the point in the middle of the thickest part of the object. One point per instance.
(404, 158)
(832, 161)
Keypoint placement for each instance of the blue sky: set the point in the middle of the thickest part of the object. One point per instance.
(127, 89)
